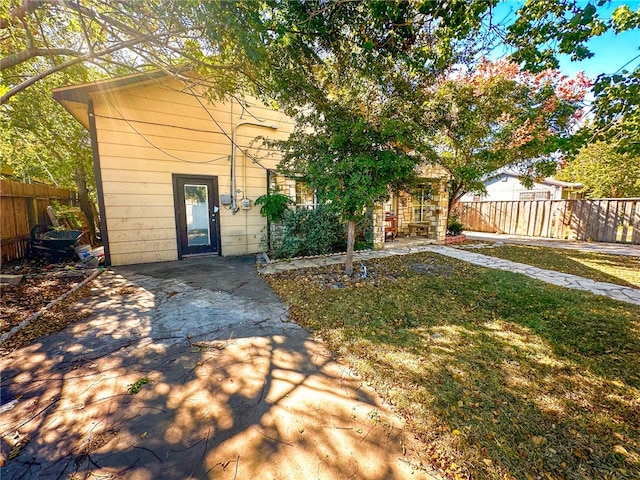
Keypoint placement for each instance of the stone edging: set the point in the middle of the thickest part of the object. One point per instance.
(276, 261)
(24, 323)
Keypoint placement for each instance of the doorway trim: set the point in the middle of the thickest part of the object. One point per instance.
(213, 203)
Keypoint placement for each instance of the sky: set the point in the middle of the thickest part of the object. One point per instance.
(611, 52)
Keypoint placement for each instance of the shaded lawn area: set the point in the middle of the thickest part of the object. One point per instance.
(601, 267)
(501, 376)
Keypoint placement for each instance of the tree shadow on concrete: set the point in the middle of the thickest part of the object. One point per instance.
(215, 405)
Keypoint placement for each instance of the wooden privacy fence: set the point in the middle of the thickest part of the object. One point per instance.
(600, 220)
(22, 206)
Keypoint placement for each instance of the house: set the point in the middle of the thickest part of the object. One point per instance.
(507, 186)
(177, 173)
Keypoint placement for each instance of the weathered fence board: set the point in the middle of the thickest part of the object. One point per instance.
(22, 206)
(613, 220)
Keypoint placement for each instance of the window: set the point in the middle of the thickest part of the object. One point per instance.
(536, 195)
(421, 195)
(298, 191)
(304, 196)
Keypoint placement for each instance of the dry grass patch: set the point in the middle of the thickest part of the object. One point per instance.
(501, 376)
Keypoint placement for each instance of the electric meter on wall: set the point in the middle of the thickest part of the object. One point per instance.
(245, 204)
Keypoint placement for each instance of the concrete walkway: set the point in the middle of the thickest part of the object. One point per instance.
(610, 248)
(616, 292)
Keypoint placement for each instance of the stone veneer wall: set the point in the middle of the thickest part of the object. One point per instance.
(404, 209)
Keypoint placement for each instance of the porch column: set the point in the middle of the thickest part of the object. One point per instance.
(378, 227)
(441, 201)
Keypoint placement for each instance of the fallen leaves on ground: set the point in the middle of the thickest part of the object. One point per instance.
(499, 375)
(51, 321)
(42, 283)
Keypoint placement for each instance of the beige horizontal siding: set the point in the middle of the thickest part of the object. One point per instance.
(144, 257)
(142, 211)
(137, 188)
(141, 246)
(196, 142)
(167, 166)
(242, 219)
(123, 200)
(167, 133)
(147, 234)
(136, 224)
(151, 178)
(132, 154)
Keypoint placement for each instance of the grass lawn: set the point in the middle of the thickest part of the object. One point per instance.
(501, 376)
(618, 269)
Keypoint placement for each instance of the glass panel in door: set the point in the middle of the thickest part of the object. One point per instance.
(196, 202)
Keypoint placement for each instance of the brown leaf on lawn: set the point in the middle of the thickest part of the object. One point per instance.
(537, 440)
(620, 449)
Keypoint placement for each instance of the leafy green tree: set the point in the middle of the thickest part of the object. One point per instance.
(545, 28)
(43, 37)
(499, 116)
(41, 141)
(351, 159)
(348, 76)
(603, 171)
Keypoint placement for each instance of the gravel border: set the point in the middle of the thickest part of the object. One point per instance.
(24, 323)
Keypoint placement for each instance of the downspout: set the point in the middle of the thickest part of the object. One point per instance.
(268, 221)
(234, 201)
(97, 171)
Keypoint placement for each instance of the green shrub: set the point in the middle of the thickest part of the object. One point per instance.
(315, 232)
(274, 206)
(454, 226)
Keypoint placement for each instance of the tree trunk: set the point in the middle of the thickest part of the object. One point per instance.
(454, 196)
(83, 196)
(351, 238)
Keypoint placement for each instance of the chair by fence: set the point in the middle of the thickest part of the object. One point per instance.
(22, 206)
(601, 220)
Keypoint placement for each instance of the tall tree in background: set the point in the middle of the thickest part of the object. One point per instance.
(40, 141)
(498, 116)
(603, 171)
(546, 28)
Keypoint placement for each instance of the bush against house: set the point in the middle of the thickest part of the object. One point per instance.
(319, 231)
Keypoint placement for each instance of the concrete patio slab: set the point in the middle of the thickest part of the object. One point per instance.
(227, 389)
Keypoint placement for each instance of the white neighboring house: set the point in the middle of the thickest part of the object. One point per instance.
(506, 186)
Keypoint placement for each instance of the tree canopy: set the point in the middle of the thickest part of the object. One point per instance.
(604, 172)
(351, 153)
(499, 116)
(546, 28)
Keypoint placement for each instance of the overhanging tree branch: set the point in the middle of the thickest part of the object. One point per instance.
(74, 61)
(27, 54)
